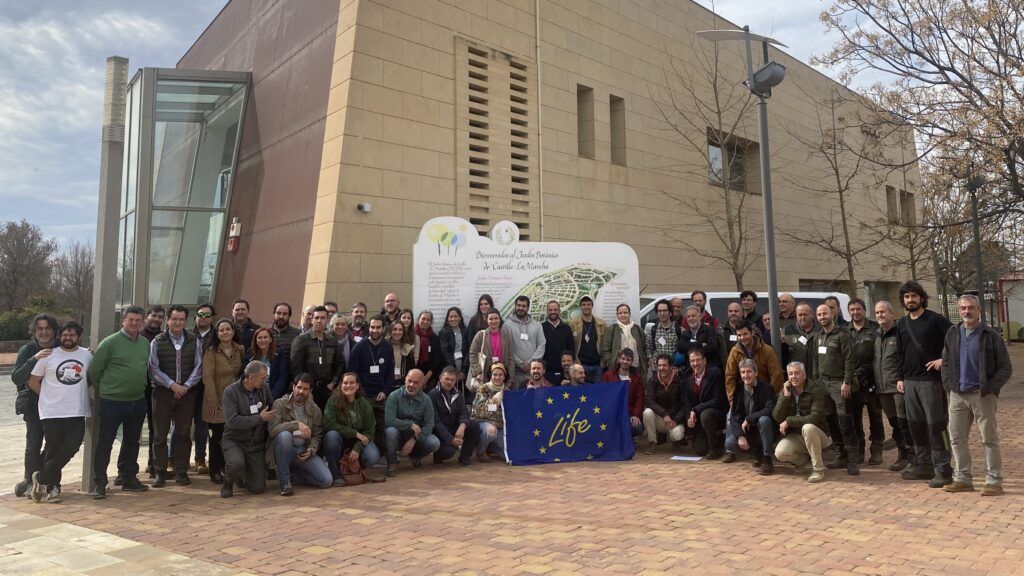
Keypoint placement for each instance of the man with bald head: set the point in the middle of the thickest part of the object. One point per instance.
(787, 311)
(391, 310)
(797, 337)
(729, 338)
(409, 424)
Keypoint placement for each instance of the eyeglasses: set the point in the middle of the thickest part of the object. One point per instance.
(204, 314)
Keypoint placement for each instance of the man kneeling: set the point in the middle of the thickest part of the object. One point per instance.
(455, 431)
(800, 412)
(247, 409)
(409, 423)
(751, 426)
(297, 429)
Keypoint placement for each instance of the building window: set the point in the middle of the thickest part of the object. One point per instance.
(899, 207)
(892, 205)
(728, 159)
(617, 120)
(585, 120)
(908, 213)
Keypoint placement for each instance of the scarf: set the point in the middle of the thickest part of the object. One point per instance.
(627, 337)
(425, 336)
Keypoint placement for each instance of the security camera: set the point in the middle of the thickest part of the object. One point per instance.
(364, 207)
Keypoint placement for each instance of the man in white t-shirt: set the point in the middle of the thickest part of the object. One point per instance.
(63, 389)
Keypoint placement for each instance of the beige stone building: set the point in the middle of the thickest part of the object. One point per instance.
(580, 120)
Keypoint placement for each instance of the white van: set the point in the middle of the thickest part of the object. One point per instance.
(719, 301)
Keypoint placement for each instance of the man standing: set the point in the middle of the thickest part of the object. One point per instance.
(587, 333)
(787, 311)
(837, 315)
(307, 319)
(392, 309)
(317, 353)
(557, 339)
(527, 337)
(800, 412)
(119, 371)
(200, 431)
(248, 407)
(452, 426)
(885, 385)
(698, 335)
(729, 337)
(833, 372)
(750, 346)
(44, 332)
(797, 338)
(664, 404)
(332, 308)
(704, 405)
(748, 301)
(282, 330)
(154, 323)
(244, 326)
(295, 434)
(176, 366)
(862, 336)
(750, 426)
(358, 328)
(700, 300)
(920, 338)
(60, 382)
(663, 335)
(374, 362)
(975, 365)
(409, 423)
(153, 327)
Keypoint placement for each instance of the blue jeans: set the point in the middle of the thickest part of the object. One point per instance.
(113, 414)
(395, 438)
(763, 440)
(286, 456)
(593, 373)
(489, 434)
(335, 446)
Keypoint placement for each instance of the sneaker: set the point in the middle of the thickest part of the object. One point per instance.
(53, 496)
(959, 487)
(392, 470)
(767, 468)
(160, 481)
(133, 485)
(940, 480)
(182, 479)
(417, 464)
(816, 476)
(99, 492)
(170, 467)
(286, 489)
(21, 488)
(918, 473)
(338, 482)
(729, 458)
(201, 466)
(226, 491)
(38, 490)
(992, 490)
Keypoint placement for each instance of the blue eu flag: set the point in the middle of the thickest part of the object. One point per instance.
(567, 424)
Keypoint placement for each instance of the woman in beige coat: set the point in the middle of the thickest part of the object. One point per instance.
(222, 365)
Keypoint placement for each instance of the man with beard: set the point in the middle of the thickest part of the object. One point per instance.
(44, 332)
(698, 335)
(152, 328)
(282, 330)
(295, 434)
(920, 339)
(729, 337)
(862, 336)
(749, 345)
(527, 337)
(537, 375)
(885, 385)
(248, 407)
(409, 424)
(358, 327)
(557, 339)
(452, 425)
(833, 372)
(587, 333)
(392, 309)
(374, 362)
(700, 300)
(60, 381)
(317, 353)
(244, 326)
(797, 337)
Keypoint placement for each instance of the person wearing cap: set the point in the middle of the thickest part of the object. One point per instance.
(588, 333)
(487, 410)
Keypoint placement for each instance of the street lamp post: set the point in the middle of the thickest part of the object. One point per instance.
(973, 184)
(760, 84)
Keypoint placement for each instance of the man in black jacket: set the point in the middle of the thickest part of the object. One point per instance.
(452, 425)
(705, 404)
(751, 426)
(557, 339)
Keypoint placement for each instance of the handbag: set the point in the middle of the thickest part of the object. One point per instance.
(23, 401)
(351, 473)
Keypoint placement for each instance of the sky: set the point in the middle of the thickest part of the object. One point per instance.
(52, 62)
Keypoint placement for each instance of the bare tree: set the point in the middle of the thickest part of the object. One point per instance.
(72, 277)
(705, 112)
(24, 263)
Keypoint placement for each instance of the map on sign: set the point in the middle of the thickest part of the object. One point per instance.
(566, 286)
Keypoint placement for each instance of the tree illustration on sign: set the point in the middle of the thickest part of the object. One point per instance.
(440, 234)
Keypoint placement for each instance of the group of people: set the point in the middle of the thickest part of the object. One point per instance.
(318, 403)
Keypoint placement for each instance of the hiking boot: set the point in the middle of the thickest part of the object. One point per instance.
(133, 485)
(217, 478)
(21, 488)
(839, 463)
(392, 470)
(53, 496)
(201, 466)
(918, 473)
(889, 444)
(959, 487)
(992, 490)
(767, 468)
(417, 464)
(652, 448)
(483, 457)
(729, 458)
(38, 490)
(714, 454)
(901, 461)
(99, 492)
(757, 460)
(226, 490)
(816, 476)
(852, 469)
(940, 480)
(118, 481)
(182, 479)
(286, 489)
(876, 454)
(465, 463)
(160, 481)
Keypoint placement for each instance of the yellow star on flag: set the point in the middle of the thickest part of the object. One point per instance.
(540, 414)
(604, 427)
(543, 450)
(583, 398)
(565, 396)
(590, 456)
(597, 410)
(536, 432)
(600, 444)
(551, 401)
(558, 459)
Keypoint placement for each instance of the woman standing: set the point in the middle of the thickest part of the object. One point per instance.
(410, 337)
(455, 339)
(404, 355)
(348, 425)
(625, 334)
(490, 346)
(222, 365)
(479, 320)
(339, 327)
(487, 409)
(429, 357)
(264, 349)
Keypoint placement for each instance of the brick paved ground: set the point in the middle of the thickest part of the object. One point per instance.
(649, 516)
